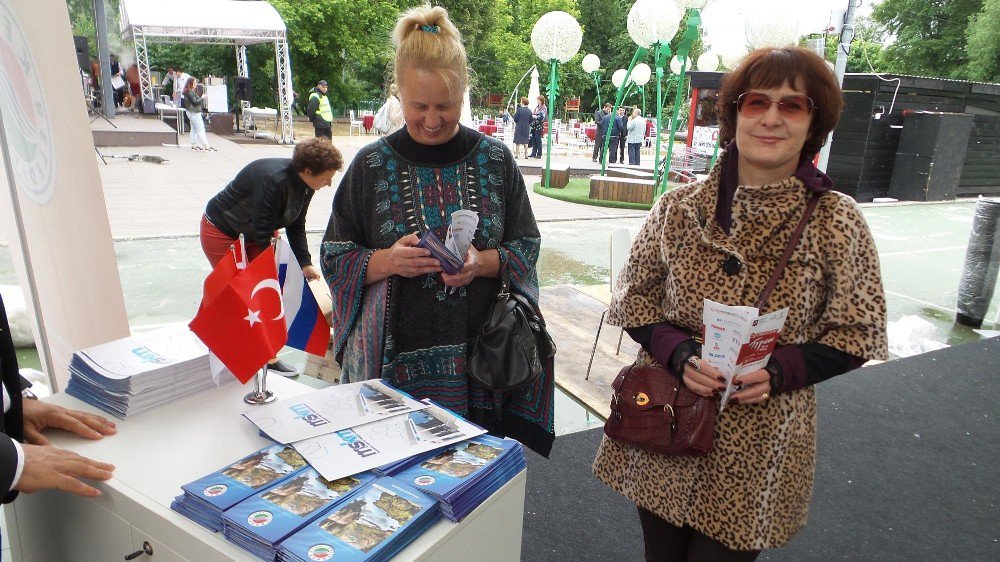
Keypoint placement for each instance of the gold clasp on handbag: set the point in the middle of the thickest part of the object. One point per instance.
(641, 399)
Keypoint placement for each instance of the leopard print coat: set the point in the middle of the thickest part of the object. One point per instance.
(753, 490)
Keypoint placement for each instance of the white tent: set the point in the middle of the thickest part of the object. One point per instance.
(210, 22)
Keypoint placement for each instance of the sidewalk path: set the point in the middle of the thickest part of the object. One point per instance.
(167, 200)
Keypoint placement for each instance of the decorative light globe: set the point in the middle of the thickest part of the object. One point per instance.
(641, 74)
(556, 36)
(771, 32)
(708, 62)
(675, 64)
(653, 21)
(618, 77)
(591, 63)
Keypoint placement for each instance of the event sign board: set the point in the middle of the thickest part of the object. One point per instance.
(52, 210)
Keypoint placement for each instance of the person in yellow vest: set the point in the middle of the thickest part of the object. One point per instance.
(319, 111)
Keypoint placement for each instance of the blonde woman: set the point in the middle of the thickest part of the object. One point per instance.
(397, 315)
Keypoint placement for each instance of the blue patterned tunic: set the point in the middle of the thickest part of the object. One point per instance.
(411, 331)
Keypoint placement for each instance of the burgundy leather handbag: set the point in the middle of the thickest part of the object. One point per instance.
(653, 410)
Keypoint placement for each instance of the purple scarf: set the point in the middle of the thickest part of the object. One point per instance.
(814, 180)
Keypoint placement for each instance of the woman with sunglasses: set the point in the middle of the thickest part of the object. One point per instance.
(721, 239)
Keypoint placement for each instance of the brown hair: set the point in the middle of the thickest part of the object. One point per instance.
(524, 101)
(770, 67)
(541, 99)
(425, 38)
(189, 84)
(317, 155)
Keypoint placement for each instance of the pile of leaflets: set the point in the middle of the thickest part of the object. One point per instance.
(205, 499)
(373, 523)
(269, 516)
(140, 372)
(463, 475)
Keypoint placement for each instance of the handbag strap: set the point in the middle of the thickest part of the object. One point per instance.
(792, 242)
(504, 283)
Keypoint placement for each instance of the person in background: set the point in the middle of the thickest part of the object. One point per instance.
(522, 129)
(506, 115)
(192, 103)
(538, 118)
(28, 462)
(615, 129)
(720, 239)
(636, 133)
(603, 124)
(267, 195)
(622, 139)
(319, 111)
(396, 315)
(116, 70)
(180, 80)
(394, 109)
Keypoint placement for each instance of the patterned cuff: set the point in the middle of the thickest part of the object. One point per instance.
(684, 351)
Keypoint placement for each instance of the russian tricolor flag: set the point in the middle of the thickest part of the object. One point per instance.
(308, 329)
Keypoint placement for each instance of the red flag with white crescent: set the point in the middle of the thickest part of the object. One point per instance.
(244, 324)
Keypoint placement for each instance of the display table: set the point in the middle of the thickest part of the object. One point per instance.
(157, 452)
(488, 129)
(256, 118)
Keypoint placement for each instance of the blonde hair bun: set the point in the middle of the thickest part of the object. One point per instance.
(425, 38)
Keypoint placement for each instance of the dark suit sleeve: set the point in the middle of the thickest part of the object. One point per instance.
(268, 206)
(12, 424)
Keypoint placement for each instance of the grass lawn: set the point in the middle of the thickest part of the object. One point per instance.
(578, 191)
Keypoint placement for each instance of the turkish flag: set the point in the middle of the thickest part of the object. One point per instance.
(244, 322)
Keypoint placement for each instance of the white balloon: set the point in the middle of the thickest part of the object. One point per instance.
(556, 36)
(641, 74)
(708, 62)
(696, 4)
(591, 63)
(618, 77)
(772, 31)
(675, 64)
(653, 21)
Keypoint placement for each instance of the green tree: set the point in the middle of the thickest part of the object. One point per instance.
(865, 48)
(984, 43)
(930, 35)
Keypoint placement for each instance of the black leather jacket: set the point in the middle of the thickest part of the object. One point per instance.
(265, 196)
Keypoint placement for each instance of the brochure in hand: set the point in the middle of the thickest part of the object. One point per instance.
(739, 340)
(463, 475)
(140, 372)
(374, 523)
(260, 522)
(451, 253)
(330, 409)
(364, 447)
(206, 498)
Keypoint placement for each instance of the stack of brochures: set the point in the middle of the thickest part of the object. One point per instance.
(374, 523)
(463, 475)
(206, 498)
(266, 518)
(140, 372)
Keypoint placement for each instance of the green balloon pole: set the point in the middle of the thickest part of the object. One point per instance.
(690, 35)
(596, 75)
(639, 53)
(662, 52)
(553, 91)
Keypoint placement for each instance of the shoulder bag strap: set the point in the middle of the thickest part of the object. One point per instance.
(792, 242)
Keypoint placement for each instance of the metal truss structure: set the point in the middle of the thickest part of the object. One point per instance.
(143, 27)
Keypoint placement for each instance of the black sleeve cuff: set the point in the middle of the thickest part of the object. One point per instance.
(684, 351)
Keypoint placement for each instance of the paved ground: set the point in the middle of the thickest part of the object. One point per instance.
(167, 200)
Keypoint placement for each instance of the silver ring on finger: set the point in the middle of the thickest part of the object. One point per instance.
(695, 362)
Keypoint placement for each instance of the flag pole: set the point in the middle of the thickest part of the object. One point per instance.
(260, 395)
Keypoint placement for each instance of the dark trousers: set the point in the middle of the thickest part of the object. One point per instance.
(633, 153)
(536, 142)
(324, 132)
(617, 148)
(621, 148)
(667, 543)
(599, 149)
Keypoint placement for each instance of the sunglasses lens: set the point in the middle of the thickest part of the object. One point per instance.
(753, 105)
(795, 106)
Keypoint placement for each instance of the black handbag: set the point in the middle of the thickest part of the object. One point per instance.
(512, 346)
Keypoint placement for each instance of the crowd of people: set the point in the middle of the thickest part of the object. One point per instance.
(398, 315)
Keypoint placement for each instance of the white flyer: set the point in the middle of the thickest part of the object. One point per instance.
(371, 445)
(330, 409)
(737, 340)
(461, 232)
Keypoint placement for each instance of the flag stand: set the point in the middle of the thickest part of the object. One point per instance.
(261, 395)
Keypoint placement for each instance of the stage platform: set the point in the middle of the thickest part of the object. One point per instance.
(132, 129)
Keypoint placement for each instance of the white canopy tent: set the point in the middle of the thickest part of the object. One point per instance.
(210, 22)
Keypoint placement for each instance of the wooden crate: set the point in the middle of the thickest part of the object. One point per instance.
(629, 190)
